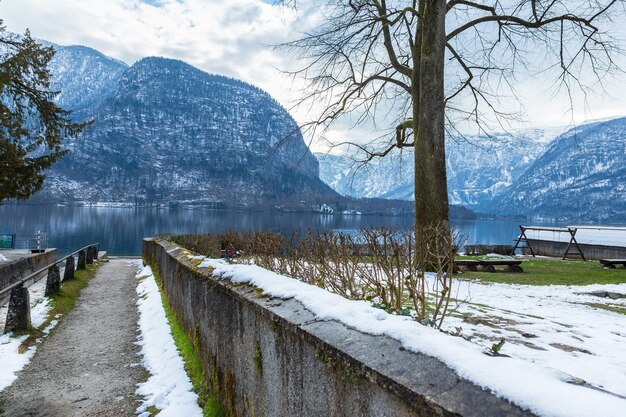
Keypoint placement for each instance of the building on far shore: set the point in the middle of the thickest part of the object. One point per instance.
(596, 242)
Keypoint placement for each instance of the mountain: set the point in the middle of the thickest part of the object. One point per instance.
(377, 179)
(581, 176)
(578, 176)
(166, 132)
(478, 168)
(84, 77)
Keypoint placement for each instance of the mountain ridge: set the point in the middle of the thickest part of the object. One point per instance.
(167, 132)
(581, 174)
(477, 168)
(505, 176)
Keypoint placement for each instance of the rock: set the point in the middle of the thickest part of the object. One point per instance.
(18, 316)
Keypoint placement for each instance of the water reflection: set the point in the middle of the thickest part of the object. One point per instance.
(120, 230)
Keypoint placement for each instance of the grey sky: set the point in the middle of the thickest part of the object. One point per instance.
(227, 37)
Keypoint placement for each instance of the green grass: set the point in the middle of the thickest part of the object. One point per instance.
(61, 303)
(552, 272)
(193, 365)
(614, 309)
(65, 300)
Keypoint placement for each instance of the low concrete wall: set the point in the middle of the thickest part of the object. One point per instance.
(591, 252)
(271, 357)
(21, 263)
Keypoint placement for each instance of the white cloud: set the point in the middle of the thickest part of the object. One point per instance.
(220, 37)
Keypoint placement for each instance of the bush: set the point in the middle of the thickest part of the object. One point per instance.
(387, 267)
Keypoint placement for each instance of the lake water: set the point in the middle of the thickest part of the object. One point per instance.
(120, 230)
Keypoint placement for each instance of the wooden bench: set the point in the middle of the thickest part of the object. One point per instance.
(511, 265)
(489, 265)
(468, 265)
(610, 263)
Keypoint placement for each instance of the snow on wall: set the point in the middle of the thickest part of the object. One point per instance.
(280, 358)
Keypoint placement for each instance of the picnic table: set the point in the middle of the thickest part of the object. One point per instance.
(610, 263)
(489, 265)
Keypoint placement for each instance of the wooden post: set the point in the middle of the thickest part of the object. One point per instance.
(519, 239)
(81, 260)
(523, 237)
(532, 252)
(89, 255)
(572, 231)
(18, 316)
(69, 269)
(53, 283)
(96, 248)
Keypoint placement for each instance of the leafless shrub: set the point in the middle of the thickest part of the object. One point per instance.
(385, 266)
(435, 251)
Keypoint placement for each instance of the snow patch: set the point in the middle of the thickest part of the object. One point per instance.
(169, 388)
(11, 361)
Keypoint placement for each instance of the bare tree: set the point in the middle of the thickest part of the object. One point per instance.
(431, 63)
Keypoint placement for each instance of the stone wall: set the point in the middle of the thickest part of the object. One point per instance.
(22, 263)
(271, 357)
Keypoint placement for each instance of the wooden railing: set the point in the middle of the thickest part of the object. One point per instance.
(18, 315)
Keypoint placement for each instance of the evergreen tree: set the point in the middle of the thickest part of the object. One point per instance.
(32, 126)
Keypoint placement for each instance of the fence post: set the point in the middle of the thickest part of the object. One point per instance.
(69, 269)
(53, 283)
(81, 260)
(96, 248)
(89, 255)
(18, 316)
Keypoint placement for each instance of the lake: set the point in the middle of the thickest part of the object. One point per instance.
(120, 230)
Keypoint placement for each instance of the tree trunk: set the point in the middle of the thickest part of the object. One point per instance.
(431, 191)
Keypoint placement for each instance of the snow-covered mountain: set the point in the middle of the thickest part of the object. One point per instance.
(581, 175)
(478, 168)
(84, 78)
(378, 178)
(167, 132)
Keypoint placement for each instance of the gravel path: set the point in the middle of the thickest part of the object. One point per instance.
(88, 365)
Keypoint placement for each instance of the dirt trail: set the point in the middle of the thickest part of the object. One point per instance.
(88, 366)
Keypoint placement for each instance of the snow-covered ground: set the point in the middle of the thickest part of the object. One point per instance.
(564, 358)
(11, 361)
(555, 327)
(168, 388)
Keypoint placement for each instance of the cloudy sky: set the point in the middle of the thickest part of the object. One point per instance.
(228, 38)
